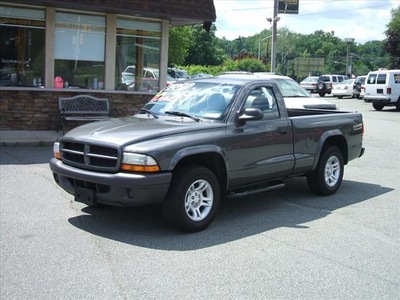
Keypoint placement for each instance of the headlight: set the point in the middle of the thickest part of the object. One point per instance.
(134, 162)
(56, 150)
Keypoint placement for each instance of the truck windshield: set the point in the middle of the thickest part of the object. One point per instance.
(205, 100)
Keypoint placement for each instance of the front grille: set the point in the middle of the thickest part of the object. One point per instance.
(91, 157)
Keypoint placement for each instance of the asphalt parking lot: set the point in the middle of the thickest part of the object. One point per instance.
(285, 244)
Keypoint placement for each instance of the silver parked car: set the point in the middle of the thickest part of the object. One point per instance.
(295, 95)
(310, 83)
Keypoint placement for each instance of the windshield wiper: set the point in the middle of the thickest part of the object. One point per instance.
(181, 114)
(149, 112)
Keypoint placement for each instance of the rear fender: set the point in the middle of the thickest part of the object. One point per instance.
(331, 138)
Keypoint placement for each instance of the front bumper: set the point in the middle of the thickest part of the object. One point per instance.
(119, 189)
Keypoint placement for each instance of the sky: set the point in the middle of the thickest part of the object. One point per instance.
(363, 20)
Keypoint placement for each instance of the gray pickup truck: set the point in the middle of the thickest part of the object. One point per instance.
(203, 139)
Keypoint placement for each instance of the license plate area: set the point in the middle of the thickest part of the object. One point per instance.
(85, 196)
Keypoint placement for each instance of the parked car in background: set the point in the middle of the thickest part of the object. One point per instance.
(6, 77)
(344, 89)
(310, 83)
(149, 80)
(178, 74)
(382, 88)
(358, 82)
(362, 90)
(327, 81)
(295, 95)
(200, 75)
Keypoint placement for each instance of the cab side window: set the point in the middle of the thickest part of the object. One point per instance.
(264, 99)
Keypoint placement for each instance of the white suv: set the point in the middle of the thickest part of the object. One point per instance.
(327, 81)
(382, 88)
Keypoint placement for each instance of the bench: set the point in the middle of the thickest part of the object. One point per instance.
(82, 108)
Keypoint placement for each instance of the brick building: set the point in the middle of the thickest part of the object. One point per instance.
(52, 48)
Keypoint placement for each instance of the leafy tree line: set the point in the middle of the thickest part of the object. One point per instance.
(193, 48)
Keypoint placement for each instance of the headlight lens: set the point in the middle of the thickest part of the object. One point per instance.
(134, 162)
(56, 150)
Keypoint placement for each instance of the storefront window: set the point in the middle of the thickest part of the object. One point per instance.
(22, 37)
(137, 55)
(79, 51)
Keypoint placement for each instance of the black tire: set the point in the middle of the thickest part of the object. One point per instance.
(327, 177)
(193, 199)
(377, 106)
(321, 94)
(340, 97)
(398, 105)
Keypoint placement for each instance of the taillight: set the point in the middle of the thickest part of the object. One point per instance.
(388, 90)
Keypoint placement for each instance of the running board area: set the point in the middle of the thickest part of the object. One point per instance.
(255, 189)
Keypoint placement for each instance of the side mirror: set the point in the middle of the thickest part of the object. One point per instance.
(251, 114)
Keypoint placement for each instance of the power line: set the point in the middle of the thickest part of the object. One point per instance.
(312, 13)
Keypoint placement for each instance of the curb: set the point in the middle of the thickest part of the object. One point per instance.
(26, 138)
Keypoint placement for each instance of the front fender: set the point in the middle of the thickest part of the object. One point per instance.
(195, 150)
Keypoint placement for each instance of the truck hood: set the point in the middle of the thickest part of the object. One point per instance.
(128, 130)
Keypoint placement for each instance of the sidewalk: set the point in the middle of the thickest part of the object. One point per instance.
(12, 138)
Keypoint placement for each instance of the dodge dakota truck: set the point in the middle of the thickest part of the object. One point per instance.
(201, 140)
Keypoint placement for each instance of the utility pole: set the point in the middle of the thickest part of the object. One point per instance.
(275, 19)
(348, 42)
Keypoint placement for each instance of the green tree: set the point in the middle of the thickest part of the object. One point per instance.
(286, 48)
(392, 42)
(180, 39)
(204, 48)
(371, 56)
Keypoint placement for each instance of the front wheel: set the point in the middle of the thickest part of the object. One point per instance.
(193, 198)
(327, 177)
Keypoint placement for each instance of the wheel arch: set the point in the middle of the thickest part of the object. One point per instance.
(209, 156)
(332, 139)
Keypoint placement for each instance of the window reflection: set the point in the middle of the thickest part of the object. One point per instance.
(22, 36)
(137, 55)
(79, 51)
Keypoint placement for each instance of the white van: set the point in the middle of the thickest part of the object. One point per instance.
(382, 88)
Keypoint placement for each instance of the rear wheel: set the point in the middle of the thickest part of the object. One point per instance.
(398, 105)
(377, 106)
(327, 177)
(193, 199)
